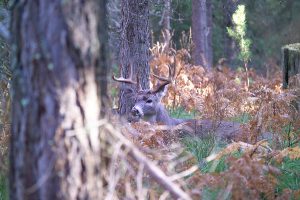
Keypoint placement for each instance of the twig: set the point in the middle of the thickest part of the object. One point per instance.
(184, 173)
(155, 172)
(139, 182)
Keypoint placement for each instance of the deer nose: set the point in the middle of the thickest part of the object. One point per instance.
(135, 111)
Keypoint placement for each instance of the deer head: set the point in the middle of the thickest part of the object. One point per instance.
(147, 103)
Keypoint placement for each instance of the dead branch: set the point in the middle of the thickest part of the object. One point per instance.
(155, 172)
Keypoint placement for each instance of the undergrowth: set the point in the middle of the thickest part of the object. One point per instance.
(286, 181)
(213, 169)
(262, 164)
(181, 113)
(290, 176)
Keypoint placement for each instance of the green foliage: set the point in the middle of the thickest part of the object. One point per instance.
(243, 118)
(270, 25)
(181, 113)
(3, 187)
(201, 148)
(290, 138)
(290, 175)
(210, 194)
(181, 19)
(219, 165)
(238, 32)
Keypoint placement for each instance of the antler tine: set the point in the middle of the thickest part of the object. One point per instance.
(125, 80)
(168, 79)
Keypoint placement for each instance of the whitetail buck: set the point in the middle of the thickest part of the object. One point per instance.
(148, 107)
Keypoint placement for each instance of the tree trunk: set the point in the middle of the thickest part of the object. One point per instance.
(167, 15)
(208, 45)
(202, 33)
(134, 48)
(291, 70)
(55, 146)
(166, 24)
(104, 67)
(229, 47)
(290, 62)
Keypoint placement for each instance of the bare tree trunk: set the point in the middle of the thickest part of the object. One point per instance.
(166, 24)
(167, 15)
(291, 70)
(134, 48)
(55, 144)
(290, 62)
(229, 7)
(202, 32)
(104, 67)
(208, 47)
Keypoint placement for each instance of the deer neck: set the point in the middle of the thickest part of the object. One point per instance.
(162, 117)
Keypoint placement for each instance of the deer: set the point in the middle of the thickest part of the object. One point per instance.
(148, 107)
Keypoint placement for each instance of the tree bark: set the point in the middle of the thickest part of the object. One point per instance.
(202, 33)
(229, 47)
(290, 62)
(134, 49)
(166, 24)
(104, 66)
(55, 144)
(291, 69)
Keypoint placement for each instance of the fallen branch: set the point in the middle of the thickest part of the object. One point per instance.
(155, 172)
(185, 173)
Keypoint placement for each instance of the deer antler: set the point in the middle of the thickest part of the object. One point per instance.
(167, 79)
(125, 80)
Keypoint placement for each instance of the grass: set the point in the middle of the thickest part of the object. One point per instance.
(181, 113)
(243, 118)
(290, 177)
(210, 194)
(201, 148)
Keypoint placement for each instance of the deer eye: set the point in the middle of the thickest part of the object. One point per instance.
(149, 101)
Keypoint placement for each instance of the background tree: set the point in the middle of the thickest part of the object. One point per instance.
(229, 45)
(238, 32)
(166, 23)
(104, 62)
(134, 48)
(54, 142)
(5, 97)
(263, 18)
(202, 32)
(5, 72)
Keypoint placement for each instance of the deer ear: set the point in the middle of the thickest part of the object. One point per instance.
(161, 90)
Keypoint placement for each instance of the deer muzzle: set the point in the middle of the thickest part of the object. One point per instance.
(137, 111)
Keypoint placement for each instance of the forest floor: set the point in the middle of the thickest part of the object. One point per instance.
(208, 168)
